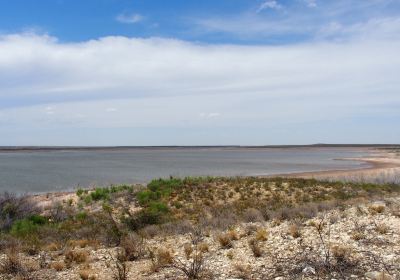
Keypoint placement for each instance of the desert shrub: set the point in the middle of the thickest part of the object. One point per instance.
(261, 234)
(203, 247)
(381, 228)
(133, 247)
(242, 271)
(376, 209)
(77, 256)
(79, 192)
(188, 249)
(195, 268)
(27, 226)
(255, 247)
(145, 196)
(81, 216)
(14, 208)
(161, 258)
(59, 213)
(12, 264)
(58, 266)
(119, 268)
(294, 231)
(88, 199)
(233, 235)
(341, 253)
(100, 194)
(165, 186)
(177, 227)
(120, 188)
(87, 274)
(225, 240)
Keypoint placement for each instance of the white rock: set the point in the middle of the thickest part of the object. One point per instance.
(309, 270)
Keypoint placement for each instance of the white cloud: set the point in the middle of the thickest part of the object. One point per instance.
(270, 4)
(129, 18)
(210, 115)
(163, 83)
(311, 3)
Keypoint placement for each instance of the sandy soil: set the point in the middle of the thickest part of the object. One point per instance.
(383, 164)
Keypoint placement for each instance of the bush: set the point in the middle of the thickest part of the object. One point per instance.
(28, 226)
(78, 256)
(14, 208)
(261, 234)
(79, 192)
(252, 215)
(156, 213)
(133, 246)
(225, 240)
(13, 265)
(58, 266)
(144, 197)
(100, 194)
(255, 247)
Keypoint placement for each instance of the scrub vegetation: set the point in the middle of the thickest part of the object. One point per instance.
(129, 222)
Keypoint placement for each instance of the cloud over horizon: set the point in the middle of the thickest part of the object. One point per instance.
(119, 82)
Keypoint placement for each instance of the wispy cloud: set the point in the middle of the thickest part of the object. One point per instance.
(311, 3)
(129, 18)
(304, 20)
(269, 4)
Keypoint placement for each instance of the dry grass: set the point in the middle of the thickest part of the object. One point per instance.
(87, 274)
(12, 264)
(358, 236)
(133, 246)
(262, 234)
(82, 243)
(188, 249)
(294, 231)
(58, 266)
(233, 235)
(203, 247)
(75, 256)
(341, 253)
(381, 228)
(225, 240)
(161, 258)
(376, 209)
(255, 247)
(242, 271)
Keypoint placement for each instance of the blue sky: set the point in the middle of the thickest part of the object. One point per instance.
(251, 72)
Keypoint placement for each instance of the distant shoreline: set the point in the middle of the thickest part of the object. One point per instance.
(380, 164)
(117, 148)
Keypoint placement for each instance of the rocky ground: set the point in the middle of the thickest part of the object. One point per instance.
(360, 241)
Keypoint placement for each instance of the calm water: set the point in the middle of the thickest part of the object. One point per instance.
(44, 171)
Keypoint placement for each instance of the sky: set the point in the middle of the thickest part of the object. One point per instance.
(209, 72)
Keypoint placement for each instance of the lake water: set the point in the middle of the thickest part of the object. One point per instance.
(45, 171)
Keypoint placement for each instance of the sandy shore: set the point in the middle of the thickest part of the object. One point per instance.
(383, 164)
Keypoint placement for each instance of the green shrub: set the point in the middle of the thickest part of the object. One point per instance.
(27, 226)
(81, 216)
(158, 207)
(88, 199)
(120, 188)
(79, 192)
(100, 194)
(144, 197)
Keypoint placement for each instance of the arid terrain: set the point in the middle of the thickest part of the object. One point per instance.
(209, 228)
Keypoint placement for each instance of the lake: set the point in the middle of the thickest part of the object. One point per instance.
(58, 170)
